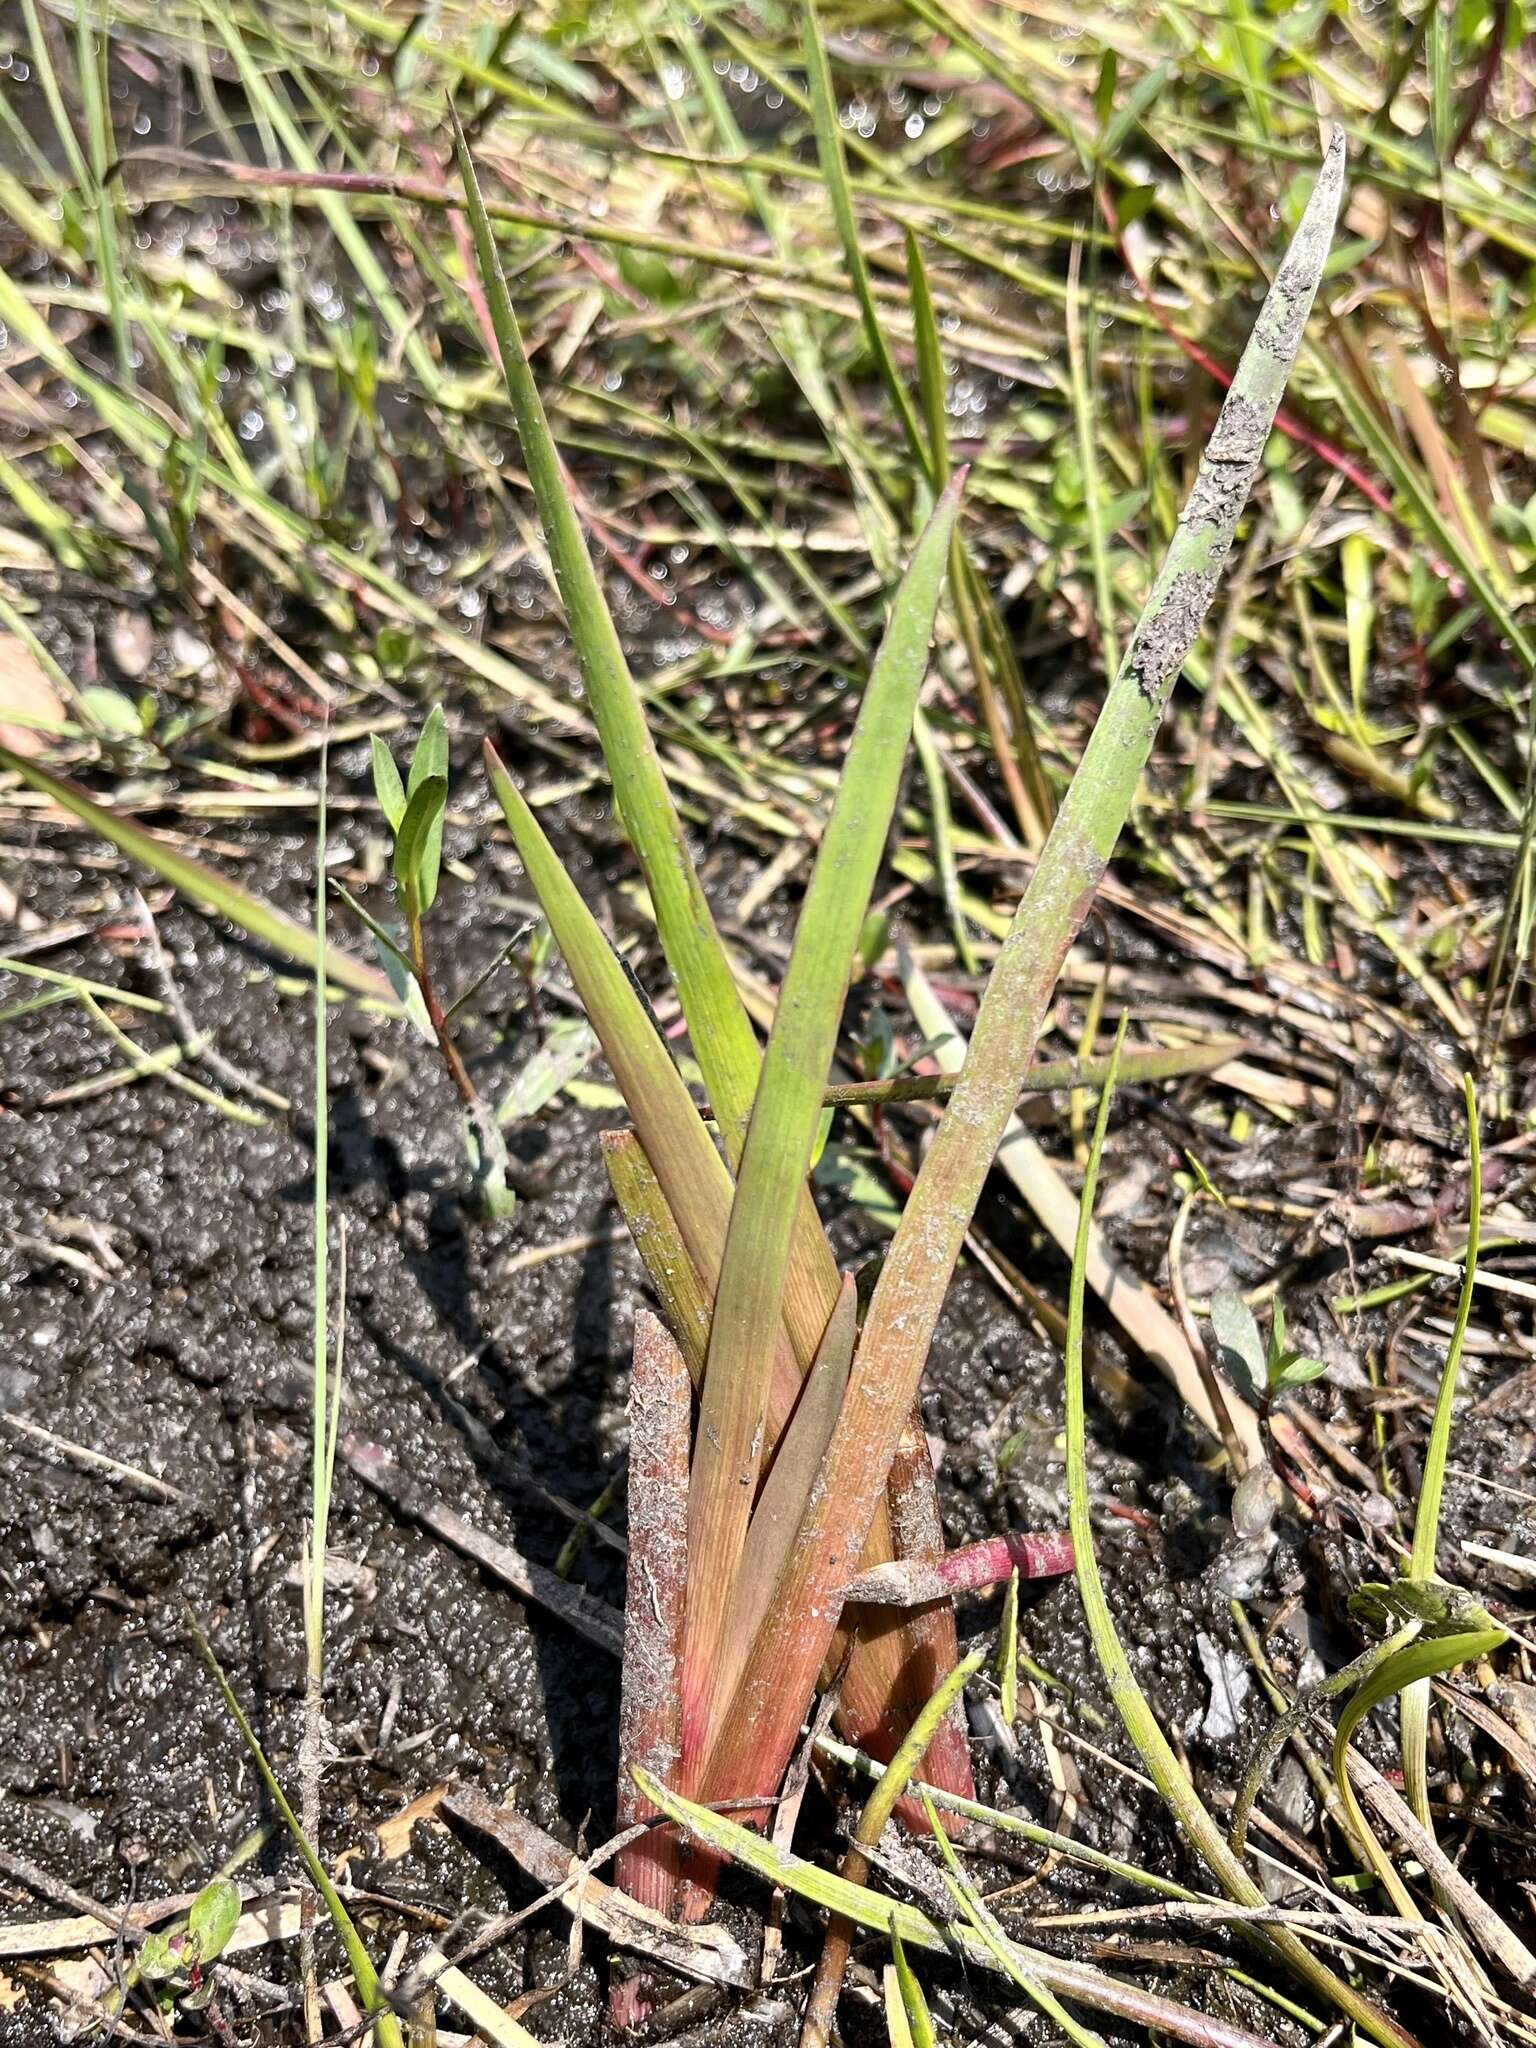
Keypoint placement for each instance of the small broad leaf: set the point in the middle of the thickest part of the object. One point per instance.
(158, 1959)
(1133, 202)
(406, 987)
(1294, 1371)
(393, 647)
(213, 1918)
(875, 936)
(1443, 1610)
(419, 842)
(1428, 1656)
(431, 755)
(386, 783)
(1243, 1354)
(1104, 90)
(112, 714)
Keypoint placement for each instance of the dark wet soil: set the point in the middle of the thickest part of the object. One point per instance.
(186, 1355)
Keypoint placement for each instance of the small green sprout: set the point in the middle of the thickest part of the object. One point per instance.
(414, 812)
(175, 1965)
(1264, 1371)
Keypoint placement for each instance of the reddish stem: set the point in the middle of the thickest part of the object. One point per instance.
(966, 1570)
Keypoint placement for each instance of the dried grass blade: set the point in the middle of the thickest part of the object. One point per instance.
(710, 1955)
(650, 1709)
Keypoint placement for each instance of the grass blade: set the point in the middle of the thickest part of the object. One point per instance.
(721, 1031)
(918, 1930)
(785, 1113)
(821, 2006)
(692, 1175)
(653, 1228)
(203, 886)
(970, 1902)
(650, 1711)
(1129, 1300)
(722, 1034)
(1141, 1724)
(796, 1463)
(322, 1434)
(834, 175)
(930, 362)
(912, 2005)
(1414, 1664)
(912, 1286)
(1414, 1708)
(364, 1975)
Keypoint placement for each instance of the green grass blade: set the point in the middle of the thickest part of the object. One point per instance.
(915, 1278)
(691, 1178)
(785, 1115)
(1414, 1709)
(1415, 1664)
(321, 1447)
(834, 172)
(654, 1231)
(1141, 1724)
(364, 1975)
(913, 2006)
(681, 1152)
(721, 1031)
(826, 1987)
(201, 885)
(971, 1904)
(919, 1930)
(270, 101)
(1081, 365)
(930, 363)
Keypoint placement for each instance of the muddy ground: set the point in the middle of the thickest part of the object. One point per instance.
(186, 1356)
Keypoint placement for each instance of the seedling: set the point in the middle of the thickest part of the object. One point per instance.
(414, 812)
(177, 1967)
(1264, 1368)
